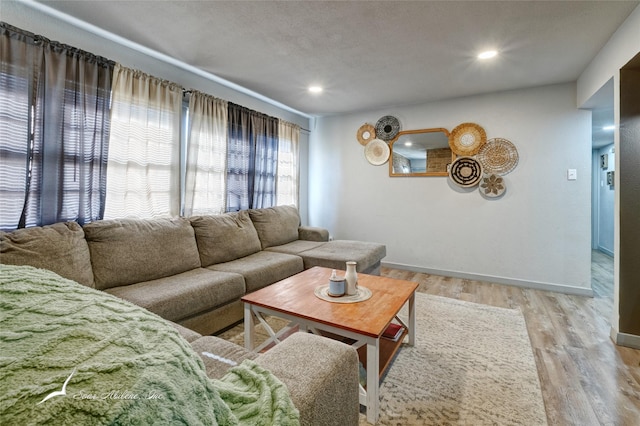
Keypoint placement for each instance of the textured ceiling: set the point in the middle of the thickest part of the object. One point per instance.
(367, 54)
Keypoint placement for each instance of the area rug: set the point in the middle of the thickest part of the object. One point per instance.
(472, 365)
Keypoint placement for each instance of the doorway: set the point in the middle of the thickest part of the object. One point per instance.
(603, 191)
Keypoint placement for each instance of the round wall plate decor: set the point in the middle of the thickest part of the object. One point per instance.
(387, 128)
(498, 156)
(492, 185)
(366, 133)
(377, 152)
(467, 138)
(465, 171)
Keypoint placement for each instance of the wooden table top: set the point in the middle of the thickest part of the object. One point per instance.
(295, 296)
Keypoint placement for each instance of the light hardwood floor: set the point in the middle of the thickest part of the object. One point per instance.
(585, 378)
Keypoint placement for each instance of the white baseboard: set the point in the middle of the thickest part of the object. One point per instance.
(624, 339)
(558, 288)
(605, 251)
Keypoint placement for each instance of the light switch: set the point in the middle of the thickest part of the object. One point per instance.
(572, 174)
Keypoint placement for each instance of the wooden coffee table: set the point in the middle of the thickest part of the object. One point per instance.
(363, 322)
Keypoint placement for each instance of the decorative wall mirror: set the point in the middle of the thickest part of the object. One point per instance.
(423, 152)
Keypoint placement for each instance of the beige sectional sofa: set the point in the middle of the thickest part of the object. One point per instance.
(193, 272)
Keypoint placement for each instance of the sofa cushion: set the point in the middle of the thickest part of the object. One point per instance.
(128, 251)
(225, 237)
(220, 355)
(60, 248)
(334, 254)
(183, 295)
(295, 247)
(313, 233)
(276, 225)
(262, 268)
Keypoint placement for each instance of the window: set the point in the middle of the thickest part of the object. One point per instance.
(73, 149)
(16, 143)
(287, 185)
(54, 131)
(143, 173)
(205, 181)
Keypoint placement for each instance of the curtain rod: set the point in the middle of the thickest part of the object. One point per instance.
(189, 91)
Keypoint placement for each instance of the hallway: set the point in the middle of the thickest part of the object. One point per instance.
(602, 281)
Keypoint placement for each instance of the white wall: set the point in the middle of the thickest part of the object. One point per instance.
(604, 200)
(538, 234)
(623, 45)
(303, 196)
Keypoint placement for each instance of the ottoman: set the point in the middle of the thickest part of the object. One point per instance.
(334, 254)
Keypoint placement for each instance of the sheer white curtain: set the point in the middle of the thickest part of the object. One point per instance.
(143, 171)
(205, 183)
(287, 184)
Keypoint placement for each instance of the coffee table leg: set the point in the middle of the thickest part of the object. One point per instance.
(249, 331)
(373, 380)
(412, 319)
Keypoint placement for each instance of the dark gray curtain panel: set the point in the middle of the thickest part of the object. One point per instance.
(239, 152)
(265, 131)
(54, 131)
(252, 159)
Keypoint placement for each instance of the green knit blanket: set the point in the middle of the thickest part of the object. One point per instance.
(74, 355)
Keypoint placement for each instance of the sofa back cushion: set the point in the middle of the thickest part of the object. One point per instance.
(276, 225)
(225, 237)
(128, 251)
(60, 248)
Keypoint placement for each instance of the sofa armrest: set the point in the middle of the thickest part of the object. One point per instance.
(311, 233)
(188, 334)
(321, 375)
(219, 355)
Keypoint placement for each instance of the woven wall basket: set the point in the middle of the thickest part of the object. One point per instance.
(498, 156)
(465, 172)
(467, 139)
(387, 128)
(366, 133)
(492, 185)
(377, 152)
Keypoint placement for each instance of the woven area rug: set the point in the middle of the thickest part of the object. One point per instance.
(472, 365)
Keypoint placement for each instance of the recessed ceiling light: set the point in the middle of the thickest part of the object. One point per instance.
(408, 143)
(315, 89)
(612, 127)
(488, 54)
